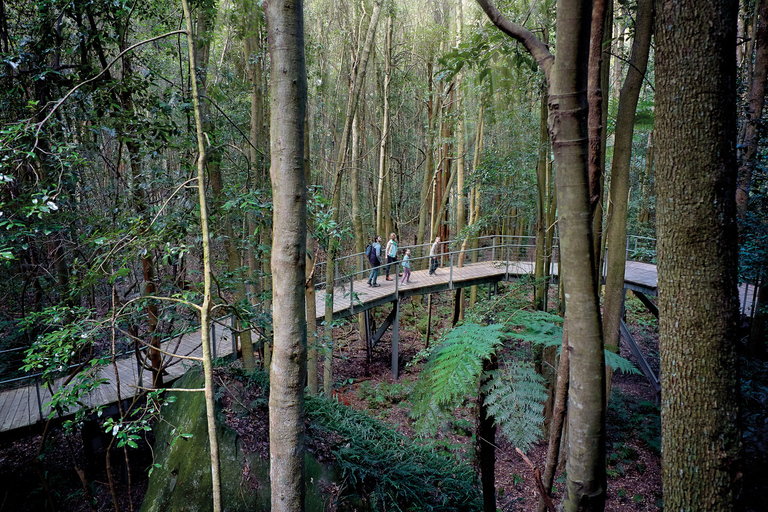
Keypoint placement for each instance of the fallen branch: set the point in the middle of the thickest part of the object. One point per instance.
(537, 477)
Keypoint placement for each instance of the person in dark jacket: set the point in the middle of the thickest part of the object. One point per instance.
(375, 260)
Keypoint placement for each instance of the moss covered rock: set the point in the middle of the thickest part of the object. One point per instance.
(181, 478)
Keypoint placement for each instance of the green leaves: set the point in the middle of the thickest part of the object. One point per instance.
(515, 397)
(452, 372)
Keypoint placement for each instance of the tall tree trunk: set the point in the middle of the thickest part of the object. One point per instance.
(567, 81)
(697, 251)
(309, 284)
(358, 77)
(475, 194)
(205, 307)
(586, 481)
(542, 208)
(288, 96)
(426, 184)
(383, 207)
(619, 192)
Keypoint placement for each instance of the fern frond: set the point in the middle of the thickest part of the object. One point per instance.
(453, 371)
(537, 327)
(515, 398)
(619, 363)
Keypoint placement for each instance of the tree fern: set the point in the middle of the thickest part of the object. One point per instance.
(537, 327)
(546, 329)
(453, 372)
(515, 398)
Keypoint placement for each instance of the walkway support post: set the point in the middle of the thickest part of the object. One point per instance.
(396, 339)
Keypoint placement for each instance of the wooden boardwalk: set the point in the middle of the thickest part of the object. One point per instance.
(363, 297)
(21, 407)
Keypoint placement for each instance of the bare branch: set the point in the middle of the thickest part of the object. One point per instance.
(538, 50)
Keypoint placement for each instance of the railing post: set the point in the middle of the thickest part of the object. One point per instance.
(493, 248)
(351, 294)
(39, 400)
(506, 268)
(335, 270)
(450, 276)
(397, 280)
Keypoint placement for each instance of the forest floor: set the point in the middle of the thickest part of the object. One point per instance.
(633, 429)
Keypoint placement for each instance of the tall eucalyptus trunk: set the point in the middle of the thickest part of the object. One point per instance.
(697, 251)
(288, 96)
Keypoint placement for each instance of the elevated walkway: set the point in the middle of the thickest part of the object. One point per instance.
(497, 259)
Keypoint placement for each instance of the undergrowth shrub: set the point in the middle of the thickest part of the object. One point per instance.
(387, 470)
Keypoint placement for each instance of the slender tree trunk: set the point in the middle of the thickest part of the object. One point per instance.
(542, 209)
(586, 481)
(619, 193)
(475, 194)
(288, 96)
(382, 207)
(358, 77)
(558, 420)
(429, 164)
(697, 251)
(486, 445)
(205, 307)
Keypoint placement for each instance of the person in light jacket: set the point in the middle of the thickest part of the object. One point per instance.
(433, 256)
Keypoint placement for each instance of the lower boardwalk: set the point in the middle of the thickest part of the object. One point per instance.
(25, 406)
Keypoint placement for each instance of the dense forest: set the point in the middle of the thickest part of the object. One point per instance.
(185, 169)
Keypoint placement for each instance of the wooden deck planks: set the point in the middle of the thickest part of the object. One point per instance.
(19, 407)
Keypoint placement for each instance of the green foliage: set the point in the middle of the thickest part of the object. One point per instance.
(630, 419)
(537, 327)
(386, 468)
(384, 394)
(515, 396)
(452, 372)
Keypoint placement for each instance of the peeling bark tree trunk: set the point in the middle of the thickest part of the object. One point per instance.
(697, 251)
(288, 95)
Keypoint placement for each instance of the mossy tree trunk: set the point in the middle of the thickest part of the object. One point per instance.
(697, 251)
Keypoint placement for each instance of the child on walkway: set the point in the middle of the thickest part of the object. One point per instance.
(406, 267)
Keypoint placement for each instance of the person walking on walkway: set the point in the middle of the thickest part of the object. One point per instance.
(374, 258)
(391, 252)
(406, 267)
(433, 256)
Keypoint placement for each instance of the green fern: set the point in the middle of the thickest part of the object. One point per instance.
(453, 372)
(537, 327)
(618, 363)
(515, 398)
